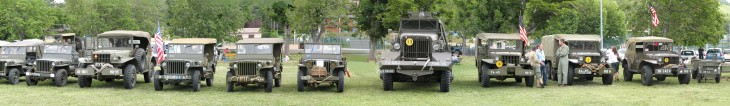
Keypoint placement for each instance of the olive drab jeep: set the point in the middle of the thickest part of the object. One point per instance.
(188, 61)
(652, 57)
(501, 56)
(61, 54)
(703, 69)
(419, 54)
(258, 62)
(118, 55)
(17, 57)
(585, 59)
(322, 63)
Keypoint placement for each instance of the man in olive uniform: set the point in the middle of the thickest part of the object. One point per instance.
(562, 54)
(535, 63)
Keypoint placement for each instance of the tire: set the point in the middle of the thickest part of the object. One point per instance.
(607, 79)
(571, 76)
(157, 82)
(445, 81)
(684, 79)
(646, 76)
(717, 78)
(84, 81)
(341, 82)
(13, 76)
(300, 82)
(209, 82)
(61, 77)
(147, 77)
(229, 84)
(129, 76)
(139, 56)
(196, 80)
(387, 81)
(694, 73)
(700, 77)
(30, 81)
(529, 81)
(269, 82)
(485, 78)
(479, 73)
(277, 82)
(628, 76)
(661, 77)
(553, 75)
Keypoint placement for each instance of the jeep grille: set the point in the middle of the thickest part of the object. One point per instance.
(510, 59)
(102, 58)
(44, 66)
(246, 68)
(672, 60)
(594, 59)
(419, 49)
(175, 67)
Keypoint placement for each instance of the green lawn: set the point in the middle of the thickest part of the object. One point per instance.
(364, 88)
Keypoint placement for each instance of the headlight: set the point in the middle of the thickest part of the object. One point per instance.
(659, 60)
(268, 62)
(259, 64)
(522, 59)
(53, 64)
(187, 64)
(198, 62)
(396, 46)
(235, 65)
(34, 63)
(164, 64)
(496, 57)
(436, 47)
(118, 58)
(580, 58)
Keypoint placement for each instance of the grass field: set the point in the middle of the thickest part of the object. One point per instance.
(364, 88)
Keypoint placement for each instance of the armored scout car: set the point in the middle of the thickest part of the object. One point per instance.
(118, 55)
(188, 60)
(322, 63)
(419, 54)
(258, 62)
(17, 57)
(653, 57)
(61, 54)
(501, 56)
(584, 56)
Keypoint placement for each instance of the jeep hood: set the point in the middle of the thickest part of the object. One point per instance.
(661, 54)
(506, 53)
(585, 54)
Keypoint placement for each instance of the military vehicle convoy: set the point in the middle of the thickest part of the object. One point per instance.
(60, 59)
(118, 55)
(17, 57)
(188, 61)
(322, 63)
(258, 62)
(420, 54)
(653, 57)
(501, 56)
(585, 58)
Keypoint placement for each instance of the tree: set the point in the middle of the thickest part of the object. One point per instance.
(312, 15)
(83, 17)
(371, 14)
(278, 19)
(546, 17)
(689, 23)
(204, 18)
(23, 19)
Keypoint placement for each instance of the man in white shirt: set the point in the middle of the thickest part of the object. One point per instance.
(541, 56)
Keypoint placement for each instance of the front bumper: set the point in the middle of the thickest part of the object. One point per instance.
(510, 70)
(247, 79)
(422, 65)
(42, 75)
(672, 71)
(100, 69)
(173, 77)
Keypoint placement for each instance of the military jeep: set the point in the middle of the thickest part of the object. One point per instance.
(322, 63)
(585, 59)
(61, 54)
(118, 55)
(17, 57)
(501, 56)
(653, 57)
(258, 62)
(188, 61)
(703, 69)
(419, 54)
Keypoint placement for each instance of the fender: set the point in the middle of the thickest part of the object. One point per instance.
(574, 61)
(490, 61)
(650, 61)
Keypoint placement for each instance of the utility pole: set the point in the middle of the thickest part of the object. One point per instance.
(601, 10)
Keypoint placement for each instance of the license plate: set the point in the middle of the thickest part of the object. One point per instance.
(115, 71)
(606, 71)
(387, 71)
(35, 74)
(663, 71)
(172, 77)
(584, 71)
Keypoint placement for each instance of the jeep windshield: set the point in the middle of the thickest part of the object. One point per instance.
(13, 50)
(504, 44)
(322, 49)
(58, 49)
(184, 49)
(254, 49)
(583, 45)
(657, 46)
(113, 42)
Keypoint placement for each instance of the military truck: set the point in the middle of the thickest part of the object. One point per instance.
(653, 57)
(322, 63)
(119, 55)
(703, 69)
(501, 56)
(61, 54)
(258, 62)
(585, 59)
(419, 54)
(17, 57)
(188, 61)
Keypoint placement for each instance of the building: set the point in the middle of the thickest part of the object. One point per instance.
(251, 29)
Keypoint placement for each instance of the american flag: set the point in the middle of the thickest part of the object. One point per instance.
(158, 41)
(654, 17)
(523, 32)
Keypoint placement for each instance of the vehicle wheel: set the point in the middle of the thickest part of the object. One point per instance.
(518, 79)
(139, 55)
(269, 82)
(529, 81)
(684, 79)
(607, 79)
(13, 76)
(628, 76)
(341, 82)
(300, 82)
(209, 82)
(661, 77)
(694, 73)
(485, 78)
(387, 81)
(700, 77)
(571, 76)
(479, 74)
(158, 83)
(445, 80)
(646, 76)
(147, 77)
(229, 83)
(61, 78)
(129, 77)
(553, 75)
(30, 81)
(717, 78)
(196, 81)
(277, 81)
(84, 81)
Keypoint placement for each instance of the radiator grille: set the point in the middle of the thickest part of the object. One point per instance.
(510, 59)
(419, 48)
(175, 67)
(246, 68)
(44, 66)
(102, 58)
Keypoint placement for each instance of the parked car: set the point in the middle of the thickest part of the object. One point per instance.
(688, 55)
(714, 54)
(726, 54)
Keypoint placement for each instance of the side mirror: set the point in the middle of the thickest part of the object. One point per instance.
(134, 42)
